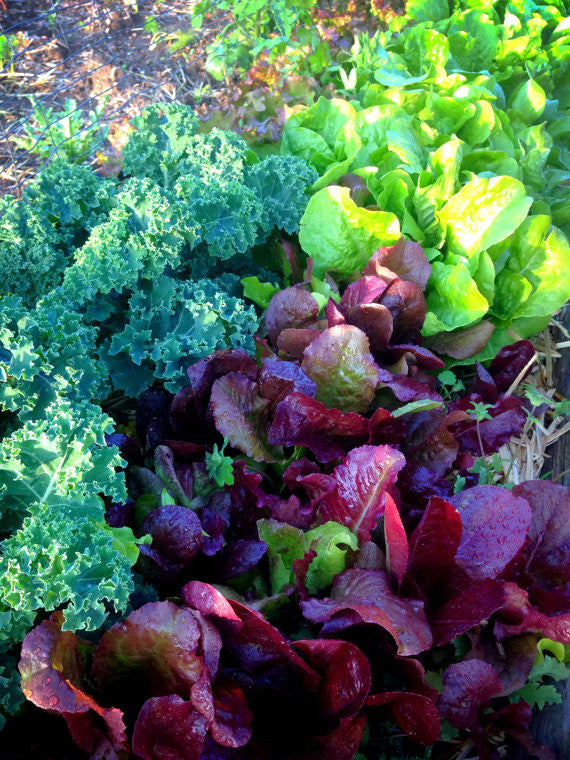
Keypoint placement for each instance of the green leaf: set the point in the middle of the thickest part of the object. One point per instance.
(529, 99)
(260, 293)
(339, 235)
(453, 299)
(427, 10)
(484, 212)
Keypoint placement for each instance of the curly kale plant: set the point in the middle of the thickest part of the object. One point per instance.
(39, 234)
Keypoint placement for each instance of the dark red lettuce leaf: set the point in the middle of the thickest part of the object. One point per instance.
(463, 343)
(515, 721)
(212, 604)
(341, 744)
(169, 728)
(363, 479)
(260, 648)
(232, 717)
(333, 314)
(509, 363)
(518, 616)
(384, 428)
(346, 675)
(416, 714)
(156, 645)
(340, 363)
(241, 415)
(495, 525)
(151, 418)
(292, 342)
(239, 557)
(279, 378)
(414, 355)
(176, 536)
(467, 687)
(290, 307)
(406, 258)
(376, 321)
(484, 385)
(407, 304)
(466, 610)
(548, 551)
(54, 670)
(507, 420)
(406, 389)
(368, 598)
(303, 421)
(397, 548)
(365, 290)
(205, 372)
(434, 542)
(512, 658)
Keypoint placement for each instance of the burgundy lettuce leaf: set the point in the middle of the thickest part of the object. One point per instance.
(189, 411)
(341, 744)
(548, 551)
(151, 419)
(467, 609)
(176, 536)
(238, 558)
(290, 307)
(495, 525)
(261, 650)
(346, 675)
(376, 321)
(169, 728)
(117, 515)
(156, 645)
(232, 717)
(292, 342)
(340, 363)
(384, 428)
(509, 363)
(241, 415)
(406, 389)
(553, 601)
(292, 255)
(290, 510)
(303, 421)
(414, 355)
(366, 596)
(279, 378)
(463, 343)
(297, 470)
(484, 385)
(178, 481)
(434, 542)
(54, 670)
(468, 686)
(512, 658)
(407, 304)
(363, 479)
(518, 616)
(507, 420)
(215, 519)
(406, 258)
(247, 500)
(333, 314)
(365, 290)
(396, 540)
(301, 567)
(212, 604)
(416, 714)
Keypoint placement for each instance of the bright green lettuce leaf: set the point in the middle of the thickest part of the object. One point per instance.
(484, 212)
(285, 543)
(260, 293)
(453, 299)
(339, 235)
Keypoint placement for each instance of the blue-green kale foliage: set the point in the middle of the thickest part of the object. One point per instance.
(107, 287)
